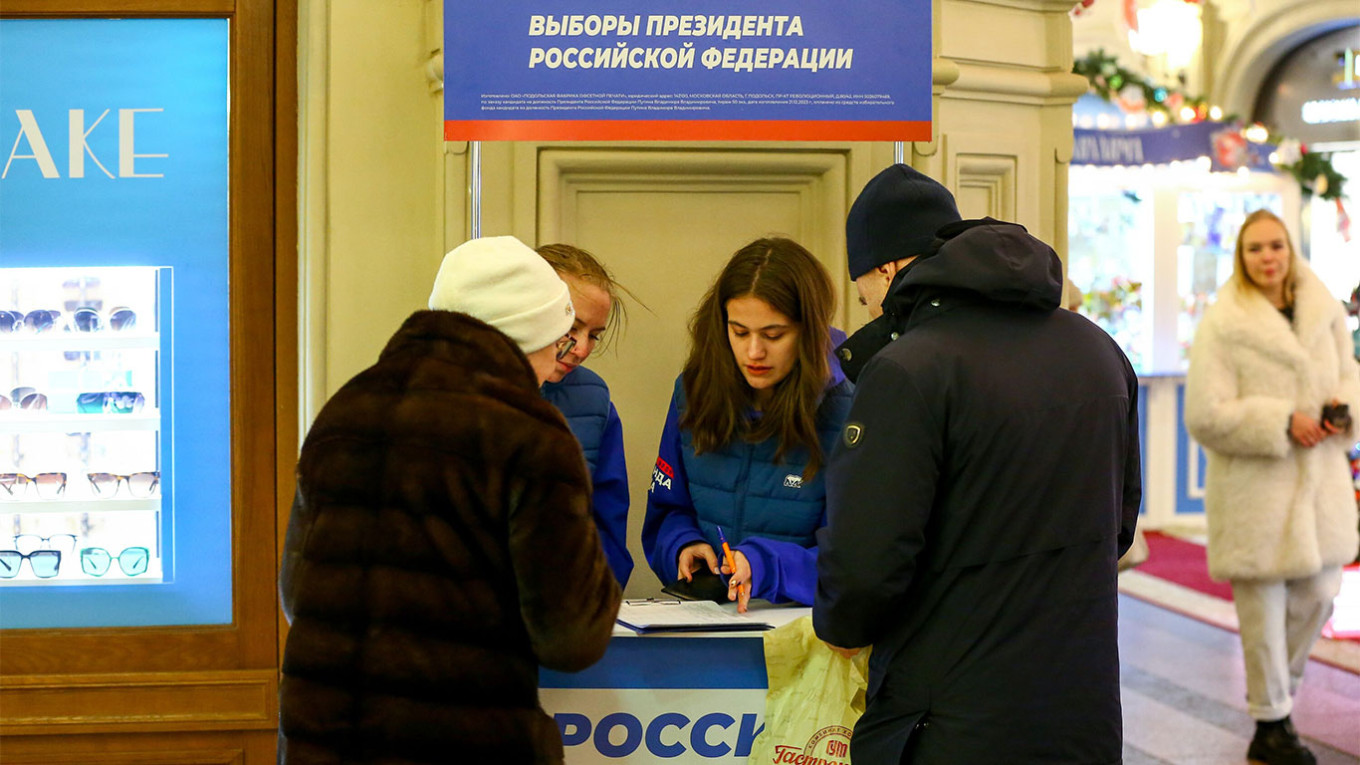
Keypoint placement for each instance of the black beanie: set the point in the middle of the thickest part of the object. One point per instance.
(894, 217)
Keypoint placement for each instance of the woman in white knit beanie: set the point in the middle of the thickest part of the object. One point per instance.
(504, 283)
(441, 542)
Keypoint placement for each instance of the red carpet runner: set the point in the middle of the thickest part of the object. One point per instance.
(1181, 562)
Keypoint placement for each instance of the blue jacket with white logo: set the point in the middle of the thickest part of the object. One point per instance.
(765, 508)
(583, 398)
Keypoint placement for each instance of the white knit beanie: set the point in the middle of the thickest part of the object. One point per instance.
(501, 281)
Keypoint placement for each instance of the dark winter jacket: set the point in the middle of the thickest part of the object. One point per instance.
(986, 484)
(440, 549)
(583, 398)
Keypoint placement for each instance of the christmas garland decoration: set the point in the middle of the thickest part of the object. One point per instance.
(1133, 92)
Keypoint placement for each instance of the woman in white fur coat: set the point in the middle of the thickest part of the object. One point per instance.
(1281, 507)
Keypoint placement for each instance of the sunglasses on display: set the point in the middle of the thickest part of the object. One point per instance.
(47, 485)
(24, 398)
(40, 320)
(138, 484)
(87, 319)
(564, 346)
(110, 402)
(95, 561)
(45, 563)
(29, 543)
(83, 319)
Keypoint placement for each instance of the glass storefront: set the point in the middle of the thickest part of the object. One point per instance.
(1149, 247)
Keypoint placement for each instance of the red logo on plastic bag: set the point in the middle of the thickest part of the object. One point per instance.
(828, 746)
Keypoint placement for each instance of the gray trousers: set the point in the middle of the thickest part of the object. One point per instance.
(1279, 622)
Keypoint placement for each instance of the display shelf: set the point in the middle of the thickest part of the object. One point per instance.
(82, 580)
(81, 341)
(113, 505)
(45, 422)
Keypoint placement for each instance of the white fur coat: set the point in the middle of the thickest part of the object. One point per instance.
(1276, 510)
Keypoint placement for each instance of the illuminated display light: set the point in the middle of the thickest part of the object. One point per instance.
(1349, 76)
(1330, 110)
(1257, 133)
(1169, 28)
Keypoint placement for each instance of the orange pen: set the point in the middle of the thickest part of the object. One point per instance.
(731, 561)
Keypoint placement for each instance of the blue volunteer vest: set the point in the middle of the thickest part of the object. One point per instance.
(583, 399)
(743, 488)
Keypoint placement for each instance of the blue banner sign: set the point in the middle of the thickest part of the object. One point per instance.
(688, 70)
(1221, 142)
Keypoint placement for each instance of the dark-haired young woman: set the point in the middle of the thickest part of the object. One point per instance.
(752, 421)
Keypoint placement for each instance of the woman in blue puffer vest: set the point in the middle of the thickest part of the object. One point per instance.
(752, 421)
(583, 397)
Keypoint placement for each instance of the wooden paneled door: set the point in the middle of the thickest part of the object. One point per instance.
(197, 694)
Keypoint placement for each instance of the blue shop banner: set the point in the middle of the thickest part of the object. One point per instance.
(687, 70)
(1222, 142)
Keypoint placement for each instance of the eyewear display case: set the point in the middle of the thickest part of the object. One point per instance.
(145, 365)
(117, 399)
(83, 482)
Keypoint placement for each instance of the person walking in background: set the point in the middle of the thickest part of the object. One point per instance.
(1269, 355)
(441, 546)
(985, 485)
(583, 397)
(752, 419)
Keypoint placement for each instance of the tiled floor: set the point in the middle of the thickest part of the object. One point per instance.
(1183, 693)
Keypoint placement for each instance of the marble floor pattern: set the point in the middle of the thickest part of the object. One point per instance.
(1183, 687)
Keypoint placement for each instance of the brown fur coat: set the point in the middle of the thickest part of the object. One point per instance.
(440, 549)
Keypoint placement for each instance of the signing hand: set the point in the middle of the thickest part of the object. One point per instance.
(693, 557)
(742, 576)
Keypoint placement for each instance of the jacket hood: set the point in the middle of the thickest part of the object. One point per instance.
(999, 261)
(990, 259)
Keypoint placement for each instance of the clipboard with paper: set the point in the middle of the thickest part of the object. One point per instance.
(654, 615)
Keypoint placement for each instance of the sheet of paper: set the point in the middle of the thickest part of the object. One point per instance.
(691, 615)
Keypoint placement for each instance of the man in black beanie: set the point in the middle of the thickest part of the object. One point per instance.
(985, 485)
(893, 221)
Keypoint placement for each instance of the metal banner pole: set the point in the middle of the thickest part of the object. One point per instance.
(475, 181)
(899, 149)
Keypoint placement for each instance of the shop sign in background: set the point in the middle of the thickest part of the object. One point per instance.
(1221, 142)
(689, 70)
(114, 133)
